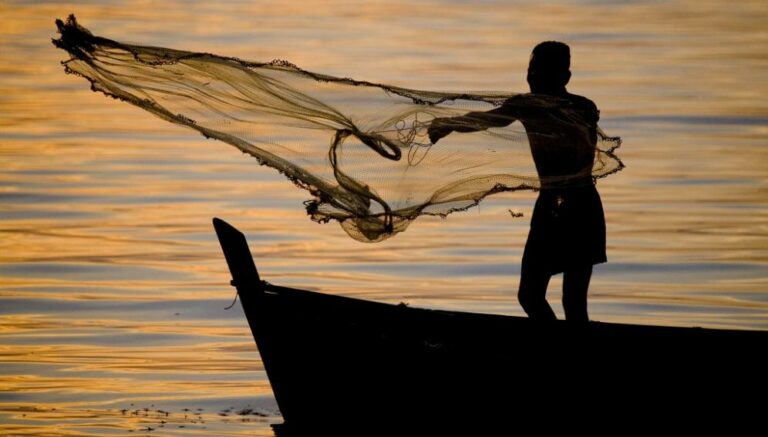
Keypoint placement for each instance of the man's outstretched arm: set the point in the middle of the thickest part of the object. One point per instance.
(470, 122)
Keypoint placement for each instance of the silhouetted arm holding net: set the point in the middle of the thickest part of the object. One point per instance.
(471, 122)
(522, 107)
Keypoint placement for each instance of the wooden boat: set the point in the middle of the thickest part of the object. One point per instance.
(335, 361)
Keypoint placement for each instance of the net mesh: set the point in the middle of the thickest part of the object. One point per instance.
(362, 149)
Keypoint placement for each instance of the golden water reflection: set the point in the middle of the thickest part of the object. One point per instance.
(113, 288)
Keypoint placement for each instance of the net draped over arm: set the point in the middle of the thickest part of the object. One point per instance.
(361, 149)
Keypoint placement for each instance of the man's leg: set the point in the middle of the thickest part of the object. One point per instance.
(575, 286)
(533, 291)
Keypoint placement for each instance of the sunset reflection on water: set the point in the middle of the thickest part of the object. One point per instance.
(113, 287)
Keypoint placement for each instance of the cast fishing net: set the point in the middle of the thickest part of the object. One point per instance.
(361, 149)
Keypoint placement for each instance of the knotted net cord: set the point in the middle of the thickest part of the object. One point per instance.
(361, 149)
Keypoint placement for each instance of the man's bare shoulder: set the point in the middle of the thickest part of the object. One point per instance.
(582, 101)
(521, 99)
(549, 101)
(585, 106)
(531, 105)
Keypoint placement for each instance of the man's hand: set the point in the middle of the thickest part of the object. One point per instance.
(437, 129)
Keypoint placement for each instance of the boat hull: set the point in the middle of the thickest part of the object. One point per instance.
(337, 360)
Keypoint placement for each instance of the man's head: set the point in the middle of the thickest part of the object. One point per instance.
(549, 69)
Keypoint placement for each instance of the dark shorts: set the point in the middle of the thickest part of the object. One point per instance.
(567, 230)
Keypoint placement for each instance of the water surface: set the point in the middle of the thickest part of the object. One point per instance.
(113, 287)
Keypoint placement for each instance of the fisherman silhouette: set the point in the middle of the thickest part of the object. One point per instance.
(567, 232)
